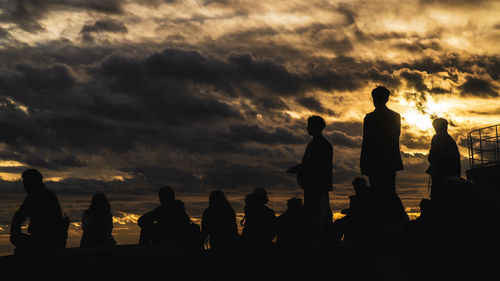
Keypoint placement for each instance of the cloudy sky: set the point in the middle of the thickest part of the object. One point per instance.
(124, 96)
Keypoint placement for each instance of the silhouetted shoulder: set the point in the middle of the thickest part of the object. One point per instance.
(395, 114)
(269, 211)
(324, 141)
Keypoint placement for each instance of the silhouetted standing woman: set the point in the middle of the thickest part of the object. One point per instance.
(97, 223)
(218, 223)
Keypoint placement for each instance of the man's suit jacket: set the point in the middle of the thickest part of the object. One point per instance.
(315, 171)
(380, 149)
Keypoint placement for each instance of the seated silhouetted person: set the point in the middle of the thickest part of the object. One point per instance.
(218, 223)
(259, 222)
(47, 228)
(97, 223)
(357, 224)
(315, 176)
(444, 158)
(167, 224)
(292, 225)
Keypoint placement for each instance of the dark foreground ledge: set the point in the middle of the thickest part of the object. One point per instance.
(321, 261)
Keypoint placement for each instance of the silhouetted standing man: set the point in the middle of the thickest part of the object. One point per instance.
(444, 158)
(380, 155)
(315, 175)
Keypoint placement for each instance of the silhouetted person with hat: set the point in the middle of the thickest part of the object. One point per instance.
(97, 223)
(218, 223)
(380, 154)
(315, 175)
(444, 157)
(167, 224)
(259, 222)
(47, 228)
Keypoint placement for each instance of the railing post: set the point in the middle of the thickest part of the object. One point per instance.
(481, 147)
(497, 156)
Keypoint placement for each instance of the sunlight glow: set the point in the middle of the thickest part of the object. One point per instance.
(125, 218)
(10, 163)
(422, 121)
(54, 179)
(294, 115)
(9, 176)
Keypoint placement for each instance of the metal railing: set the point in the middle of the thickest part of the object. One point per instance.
(484, 147)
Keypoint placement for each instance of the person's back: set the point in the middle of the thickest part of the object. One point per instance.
(42, 208)
(359, 216)
(171, 223)
(259, 223)
(97, 223)
(219, 222)
(444, 157)
(380, 149)
(44, 212)
(316, 168)
(291, 226)
(167, 223)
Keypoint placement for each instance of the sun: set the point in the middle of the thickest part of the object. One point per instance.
(422, 119)
(418, 119)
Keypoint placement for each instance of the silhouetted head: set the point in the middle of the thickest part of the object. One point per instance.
(32, 180)
(440, 125)
(294, 204)
(218, 200)
(380, 96)
(257, 197)
(100, 203)
(315, 125)
(166, 195)
(359, 184)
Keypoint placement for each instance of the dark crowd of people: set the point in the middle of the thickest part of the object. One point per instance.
(375, 209)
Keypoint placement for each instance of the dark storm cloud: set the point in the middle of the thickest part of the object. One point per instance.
(417, 47)
(4, 34)
(383, 77)
(105, 25)
(154, 176)
(339, 138)
(142, 102)
(63, 104)
(413, 141)
(245, 133)
(439, 90)
(415, 80)
(478, 87)
(27, 13)
(229, 175)
(429, 64)
(313, 104)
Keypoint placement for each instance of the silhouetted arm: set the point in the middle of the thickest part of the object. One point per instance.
(20, 216)
(204, 226)
(109, 223)
(148, 218)
(85, 222)
(273, 224)
(437, 150)
(364, 147)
